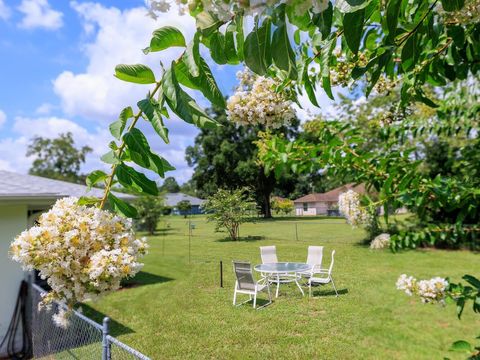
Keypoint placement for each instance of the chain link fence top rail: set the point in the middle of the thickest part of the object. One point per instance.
(82, 339)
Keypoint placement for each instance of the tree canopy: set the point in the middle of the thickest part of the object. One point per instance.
(170, 185)
(226, 157)
(57, 158)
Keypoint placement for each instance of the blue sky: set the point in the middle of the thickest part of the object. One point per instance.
(56, 65)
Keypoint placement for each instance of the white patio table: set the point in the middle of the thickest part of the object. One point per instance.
(283, 272)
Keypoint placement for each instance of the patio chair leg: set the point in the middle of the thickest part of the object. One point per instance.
(334, 288)
(310, 288)
(255, 300)
(235, 295)
(269, 295)
(278, 285)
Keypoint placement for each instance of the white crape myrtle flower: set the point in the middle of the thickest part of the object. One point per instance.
(430, 291)
(349, 206)
(256, 102)
(381, 241)
(83, 252)
(407, 284)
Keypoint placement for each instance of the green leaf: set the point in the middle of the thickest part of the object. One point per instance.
(207, 22)
(182, 104)
(239, 36)
(217, 48)
(393, 11)
(139, 152)
(132, 179)
(353, 29)
(88, 200)
(138, 73)
(410, 53)
(121, 206)
(164, 38)
(192, 55)
(230, 51)
(472, 280)
(282, 52)
(153, 113)
(300, 20)
(457, 33)
(309, 87)
(348, 6)
(117, 127)
(257, 48)
(452, 5)
(205, 82)
(95, 177)
(137, 142)
(110, 158)
(462, 345)
(324, 21)
(325, 66)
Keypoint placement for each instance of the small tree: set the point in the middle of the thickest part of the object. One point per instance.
(228, 209)
(150, 209)
(184, 207)
(284, 206)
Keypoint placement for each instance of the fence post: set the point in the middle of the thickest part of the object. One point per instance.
(189, 241)
(105, 342)
(221, 274)
(296, 232)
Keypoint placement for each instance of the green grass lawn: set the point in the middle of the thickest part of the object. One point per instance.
(176, 309)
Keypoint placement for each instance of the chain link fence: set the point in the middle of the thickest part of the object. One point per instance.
(82, 339)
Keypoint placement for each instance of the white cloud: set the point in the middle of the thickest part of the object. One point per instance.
(5, 11)
(3, 118)
(39, 14)
(115, 37)
(44, 109)
(13, 149)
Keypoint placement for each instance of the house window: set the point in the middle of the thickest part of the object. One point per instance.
(305, 206)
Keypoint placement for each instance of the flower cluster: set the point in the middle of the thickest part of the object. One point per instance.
(430, 291)
(257, 103)
(82, 251)
(349, 206)
(381, 241)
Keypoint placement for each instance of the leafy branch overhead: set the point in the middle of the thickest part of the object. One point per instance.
(304, 46)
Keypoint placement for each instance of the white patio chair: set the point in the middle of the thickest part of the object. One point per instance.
(245, 284)
(322, 280)
(268, 254)
(314, 259)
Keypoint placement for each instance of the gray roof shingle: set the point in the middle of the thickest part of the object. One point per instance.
(21, 186)
(172, 199)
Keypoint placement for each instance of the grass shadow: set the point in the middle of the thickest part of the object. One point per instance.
(243, 238)
(143, 278)
(115, 327)
(329, 292)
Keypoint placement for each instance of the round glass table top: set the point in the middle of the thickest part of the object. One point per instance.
(283, 267)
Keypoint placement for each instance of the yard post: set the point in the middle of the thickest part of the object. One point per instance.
(105, 342)
(163, 238)
(221, 274)
(189, 241)
(296, 232)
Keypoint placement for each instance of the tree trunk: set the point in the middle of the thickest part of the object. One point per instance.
(267, 183)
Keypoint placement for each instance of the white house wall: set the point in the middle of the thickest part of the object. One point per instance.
(314, 208)
(13, 220)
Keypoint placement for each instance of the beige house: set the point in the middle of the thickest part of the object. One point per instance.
(323, 203)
